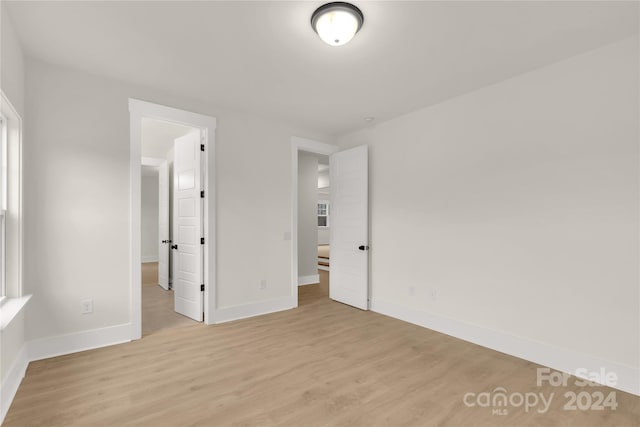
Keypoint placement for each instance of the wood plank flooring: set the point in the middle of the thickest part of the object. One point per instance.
(157, 304)
(149, 273)
(317, 293)
(322, 364)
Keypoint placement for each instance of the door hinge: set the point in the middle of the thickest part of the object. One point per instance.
(202, 287)
(201, 147)
(202, 240)
(202, 194)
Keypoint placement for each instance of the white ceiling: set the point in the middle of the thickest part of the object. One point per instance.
(264, 58)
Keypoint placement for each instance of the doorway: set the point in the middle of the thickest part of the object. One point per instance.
(348, 221)
(190, 269)
(301, 147)
(159, 139)
(314, 220)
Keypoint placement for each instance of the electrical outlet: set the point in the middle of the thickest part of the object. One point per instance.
(86, 306)
(412, 291)
(433, 294)
(263, 284)
(287, 235)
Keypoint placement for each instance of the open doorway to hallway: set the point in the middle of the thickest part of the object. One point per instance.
(348, 220)
(193, 233)
(314, 222)
(157, 212)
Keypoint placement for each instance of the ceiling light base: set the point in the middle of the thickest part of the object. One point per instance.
(336, 23)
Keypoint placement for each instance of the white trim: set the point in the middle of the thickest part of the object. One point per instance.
(11, 381)
(59, 345)
(228, 314)
(300, 144)
(137, 110)
(9, 309)
(304, 144)
(309, 280)
(149, 258)
(135, 244)
(557, 358)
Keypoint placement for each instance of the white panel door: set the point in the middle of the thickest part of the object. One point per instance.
(187, 227)
(349, 231)
(163, 225)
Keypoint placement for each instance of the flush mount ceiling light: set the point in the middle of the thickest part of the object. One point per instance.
(336, 23)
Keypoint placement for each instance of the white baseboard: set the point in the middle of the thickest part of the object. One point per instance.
(149, 258)
(323, 267)
(228, 314)
(12, 380)
(557, 358)
(59, 345)
(308, 280)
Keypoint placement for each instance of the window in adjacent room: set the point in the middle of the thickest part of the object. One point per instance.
(323, 213)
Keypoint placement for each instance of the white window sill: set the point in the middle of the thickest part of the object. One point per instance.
(9, 309)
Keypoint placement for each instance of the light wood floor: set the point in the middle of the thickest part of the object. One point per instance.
(157, 304)
(314, 294)
(322, 364)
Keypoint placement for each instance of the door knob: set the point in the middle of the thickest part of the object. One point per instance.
(174, 246)
(166, 241)
(363, 247)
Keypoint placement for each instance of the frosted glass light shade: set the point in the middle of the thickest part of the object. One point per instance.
(336, 23)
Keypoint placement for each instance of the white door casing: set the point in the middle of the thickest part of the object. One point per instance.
(163, 225)
(187, 227)
(349, 232)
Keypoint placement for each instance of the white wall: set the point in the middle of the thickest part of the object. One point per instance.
(12, 84)
(307, 218)
(149, 215)
(518, 205)
(78, 152)
(12, 66)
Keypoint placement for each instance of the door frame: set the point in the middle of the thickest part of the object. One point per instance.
(300, 144)
(138, 110)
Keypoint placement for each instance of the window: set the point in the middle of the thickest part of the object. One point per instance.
(3, 203)
(323, 213)
(12, 300)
